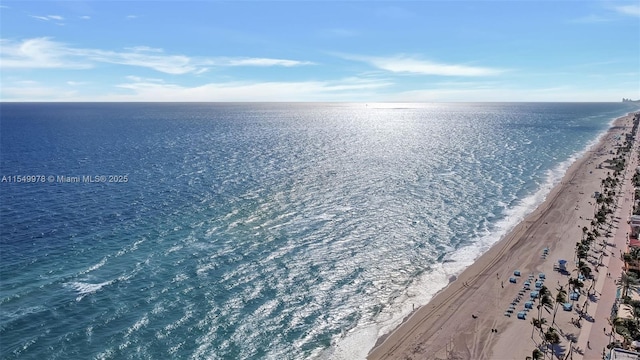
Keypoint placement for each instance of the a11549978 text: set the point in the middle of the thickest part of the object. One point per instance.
(64, 179)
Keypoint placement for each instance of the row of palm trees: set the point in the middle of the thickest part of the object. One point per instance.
(629, 281)
(601, 224)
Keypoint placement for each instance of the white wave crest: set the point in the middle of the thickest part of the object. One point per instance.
(83, 288)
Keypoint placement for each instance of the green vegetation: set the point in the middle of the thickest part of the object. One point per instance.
(629, 280)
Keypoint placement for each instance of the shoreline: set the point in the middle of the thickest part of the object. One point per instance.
(461, 318)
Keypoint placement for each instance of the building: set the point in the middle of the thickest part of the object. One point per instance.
(619, 354)
(634, 223)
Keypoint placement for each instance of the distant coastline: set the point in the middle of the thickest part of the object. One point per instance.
(629, 100)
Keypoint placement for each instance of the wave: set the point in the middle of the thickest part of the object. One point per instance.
(95, 266)
(357, 343)
(84, 288)
(313, 261)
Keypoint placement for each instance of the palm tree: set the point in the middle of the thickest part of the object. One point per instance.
(552, 337)
(538, 323)
(576, 285)
(601, 215)
(535, 323)
(632, 255)
(546, 302)
(585, 270)
(583, 252)
(536, 354)
(621, 327)
(628, 282)
(561, 298)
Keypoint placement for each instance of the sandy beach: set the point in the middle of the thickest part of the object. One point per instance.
(467, 320)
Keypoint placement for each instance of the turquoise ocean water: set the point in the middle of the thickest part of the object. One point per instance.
(251, 231)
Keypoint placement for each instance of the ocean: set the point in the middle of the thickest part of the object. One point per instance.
(257, 230)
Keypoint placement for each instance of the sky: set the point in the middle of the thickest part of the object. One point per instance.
(352, 51)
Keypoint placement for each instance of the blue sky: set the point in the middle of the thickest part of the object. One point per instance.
(414, 51)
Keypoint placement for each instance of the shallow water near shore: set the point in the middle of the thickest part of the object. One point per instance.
(258, 230)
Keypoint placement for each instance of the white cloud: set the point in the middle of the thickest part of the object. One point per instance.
(633, 10)
(405, 64)
(169, 64)
(144, 48)
(261, 62)
(48, 17)
(138, 79)
(76, 83)
(137, 88)
(46, 53)
(35, 91)
(85, 17)
(503, 92)
(409, 65)
(37, 53)
(345, 89)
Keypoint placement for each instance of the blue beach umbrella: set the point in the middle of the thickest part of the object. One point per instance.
(562, 264)
(528, 305)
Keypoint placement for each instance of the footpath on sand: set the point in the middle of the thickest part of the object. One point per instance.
(595, 336)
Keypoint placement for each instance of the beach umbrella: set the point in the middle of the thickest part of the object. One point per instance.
(528, 305)
(562, 264)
